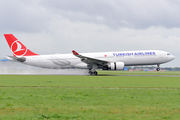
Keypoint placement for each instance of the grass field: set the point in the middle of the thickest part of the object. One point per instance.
(89, 97)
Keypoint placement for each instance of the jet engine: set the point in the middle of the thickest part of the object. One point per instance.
(114, 66)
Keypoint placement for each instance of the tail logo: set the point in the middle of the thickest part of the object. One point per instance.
(18, 48)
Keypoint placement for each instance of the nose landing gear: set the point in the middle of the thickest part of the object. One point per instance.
(158, 68)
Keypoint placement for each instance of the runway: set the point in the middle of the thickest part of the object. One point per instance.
(14, 68)
(88, 75)
(142, 75)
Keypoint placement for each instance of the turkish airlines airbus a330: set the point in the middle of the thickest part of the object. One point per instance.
(92, 61)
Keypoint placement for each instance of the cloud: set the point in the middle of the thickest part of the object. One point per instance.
(135, 14)
(35, 15)
(90, 37)
(22, 16)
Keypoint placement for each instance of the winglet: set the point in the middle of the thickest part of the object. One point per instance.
(75, 53)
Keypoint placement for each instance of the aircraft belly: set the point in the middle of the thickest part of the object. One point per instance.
(144, 60)
(62, 63)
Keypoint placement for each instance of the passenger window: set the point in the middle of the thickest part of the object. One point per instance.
(168, 54)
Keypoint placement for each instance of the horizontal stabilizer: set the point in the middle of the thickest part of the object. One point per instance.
(17, 59)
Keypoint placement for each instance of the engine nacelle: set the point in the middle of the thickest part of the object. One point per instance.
(114, 66)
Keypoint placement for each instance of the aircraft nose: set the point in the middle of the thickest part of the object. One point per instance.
(172, 57)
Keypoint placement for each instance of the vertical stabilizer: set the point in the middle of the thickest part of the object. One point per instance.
(17, 48)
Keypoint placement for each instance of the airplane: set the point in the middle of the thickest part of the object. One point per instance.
(92, 61)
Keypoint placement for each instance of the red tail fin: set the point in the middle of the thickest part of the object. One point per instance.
(17, 48)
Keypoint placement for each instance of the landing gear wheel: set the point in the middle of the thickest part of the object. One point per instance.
(90, 73)
(158, 69)
(93, 73)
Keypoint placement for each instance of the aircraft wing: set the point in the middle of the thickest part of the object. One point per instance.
(89, 60)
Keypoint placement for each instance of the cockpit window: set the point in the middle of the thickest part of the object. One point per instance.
(168, 54)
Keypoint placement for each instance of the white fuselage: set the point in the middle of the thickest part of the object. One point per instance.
(129, 58)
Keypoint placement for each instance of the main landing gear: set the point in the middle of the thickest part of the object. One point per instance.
(93, 72)
(158, 68)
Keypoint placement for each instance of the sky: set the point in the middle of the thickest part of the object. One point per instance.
(60, 26)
